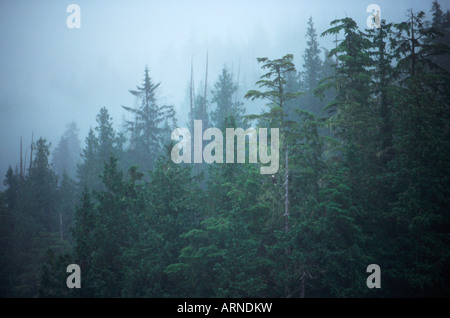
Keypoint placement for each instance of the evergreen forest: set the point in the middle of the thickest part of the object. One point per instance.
(363, 178)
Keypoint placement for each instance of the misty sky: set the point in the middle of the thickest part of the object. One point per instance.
(51, 75)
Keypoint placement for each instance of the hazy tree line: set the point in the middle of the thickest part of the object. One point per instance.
(363, 179)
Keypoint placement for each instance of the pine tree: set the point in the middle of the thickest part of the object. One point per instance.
(274, 82)
(41, 188)
(384, 76)
(440, 25)
(200, 112)
(54, 276)
(89, 169)
(420, 205)
(66, 155)
(67, 196)
(228, 243)
(113, 232)
(312, 71)
(97, 151)
(148, 130)
(171, 205)
(33, 223)
(106, 135)
(354, 117)
(6, 229)
(84, 244)
(345, 198)
(225, 105)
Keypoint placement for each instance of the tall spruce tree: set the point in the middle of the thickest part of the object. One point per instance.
(274, 82)
(98, 149)
(225, 104)
(312, 71)
(66, 155)
(89, 169)
(420, 208)
(149, 127)
(348, 184)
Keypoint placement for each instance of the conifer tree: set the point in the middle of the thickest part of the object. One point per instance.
(312, 71)
(420, 204)
(89, 169)
(274, 82)
(225, 105)
(66, 155)
(99, 147)
(148, 129)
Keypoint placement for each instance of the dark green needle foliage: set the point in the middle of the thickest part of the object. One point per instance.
(364, 178)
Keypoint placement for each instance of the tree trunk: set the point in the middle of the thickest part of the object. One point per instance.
(286, 194)
(60, 226)
(302, 287)
(31, 152)
(21, 162)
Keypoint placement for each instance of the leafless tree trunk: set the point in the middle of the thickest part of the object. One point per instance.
(21, 162)
(31, 152)
(286, 194)
(206, 83)
(192, 94)
(60, 226)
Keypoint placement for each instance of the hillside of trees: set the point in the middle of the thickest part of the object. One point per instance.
(364, 178)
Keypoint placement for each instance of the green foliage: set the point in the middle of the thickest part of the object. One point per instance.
(364, 179)
(30, 224)
(66, 155)
(99, 147)
(226, 104)
(151, 124)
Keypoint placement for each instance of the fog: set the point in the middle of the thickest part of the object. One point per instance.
(51, 75)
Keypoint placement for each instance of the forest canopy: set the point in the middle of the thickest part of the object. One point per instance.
(363, 178)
